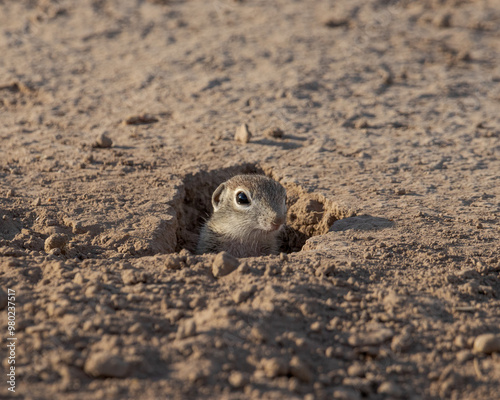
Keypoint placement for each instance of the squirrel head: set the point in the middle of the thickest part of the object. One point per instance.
(250, 204)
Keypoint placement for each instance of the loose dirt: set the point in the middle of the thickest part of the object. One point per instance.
(381, 119)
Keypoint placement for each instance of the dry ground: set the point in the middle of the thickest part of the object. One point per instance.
(390, 154)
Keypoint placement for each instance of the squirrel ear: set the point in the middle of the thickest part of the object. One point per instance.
(216, 197)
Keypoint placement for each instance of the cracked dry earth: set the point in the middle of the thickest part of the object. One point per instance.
(117, 121)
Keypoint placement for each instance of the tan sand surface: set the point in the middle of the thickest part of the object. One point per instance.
(117, 122)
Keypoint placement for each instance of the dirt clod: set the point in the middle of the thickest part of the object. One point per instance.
(243, 134)
(237, 379)
(131, 277)
(242, 295)
(372, 338)
(487, 343)
(55, 241)
(103, 141)
(356, 370)
(103, 364)
(274, 367)
(223, 264)
(173, 262)
(187, 329)
(390, 389)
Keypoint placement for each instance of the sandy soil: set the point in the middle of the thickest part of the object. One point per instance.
(390, 268)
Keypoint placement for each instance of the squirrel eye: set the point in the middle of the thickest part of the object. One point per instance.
(241, 198)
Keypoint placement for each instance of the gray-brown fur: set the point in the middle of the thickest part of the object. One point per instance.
(245, 231)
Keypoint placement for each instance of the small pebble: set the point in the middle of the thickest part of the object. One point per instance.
(240, 296)
(316, 326)
(352, 297)
(243, 268)
(55, 241)
(224, 263)
(91, 291)
(390, 389)
(460, 341)
(237, 379)
(293, 384)
(272, 270)
(325, 269)
(173, 263)
(373, 338)
(136, 329)
(356, 370)
(487, 343)
(258, 334)
(129, 277)
(105, 365)
(392, 298)
(55, 252)
(464, 355)
(78, 278)
(242, 134)
(274, 367)
(448, 385)
(103, 141)
(187, 329)
(37, 202)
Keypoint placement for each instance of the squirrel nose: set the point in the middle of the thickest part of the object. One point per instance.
(277, 222)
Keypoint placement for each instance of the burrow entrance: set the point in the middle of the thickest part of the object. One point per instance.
(308, 215)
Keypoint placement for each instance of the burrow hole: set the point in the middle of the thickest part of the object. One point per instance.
(308, 214)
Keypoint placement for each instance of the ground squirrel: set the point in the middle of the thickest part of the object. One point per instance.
(249, 213)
